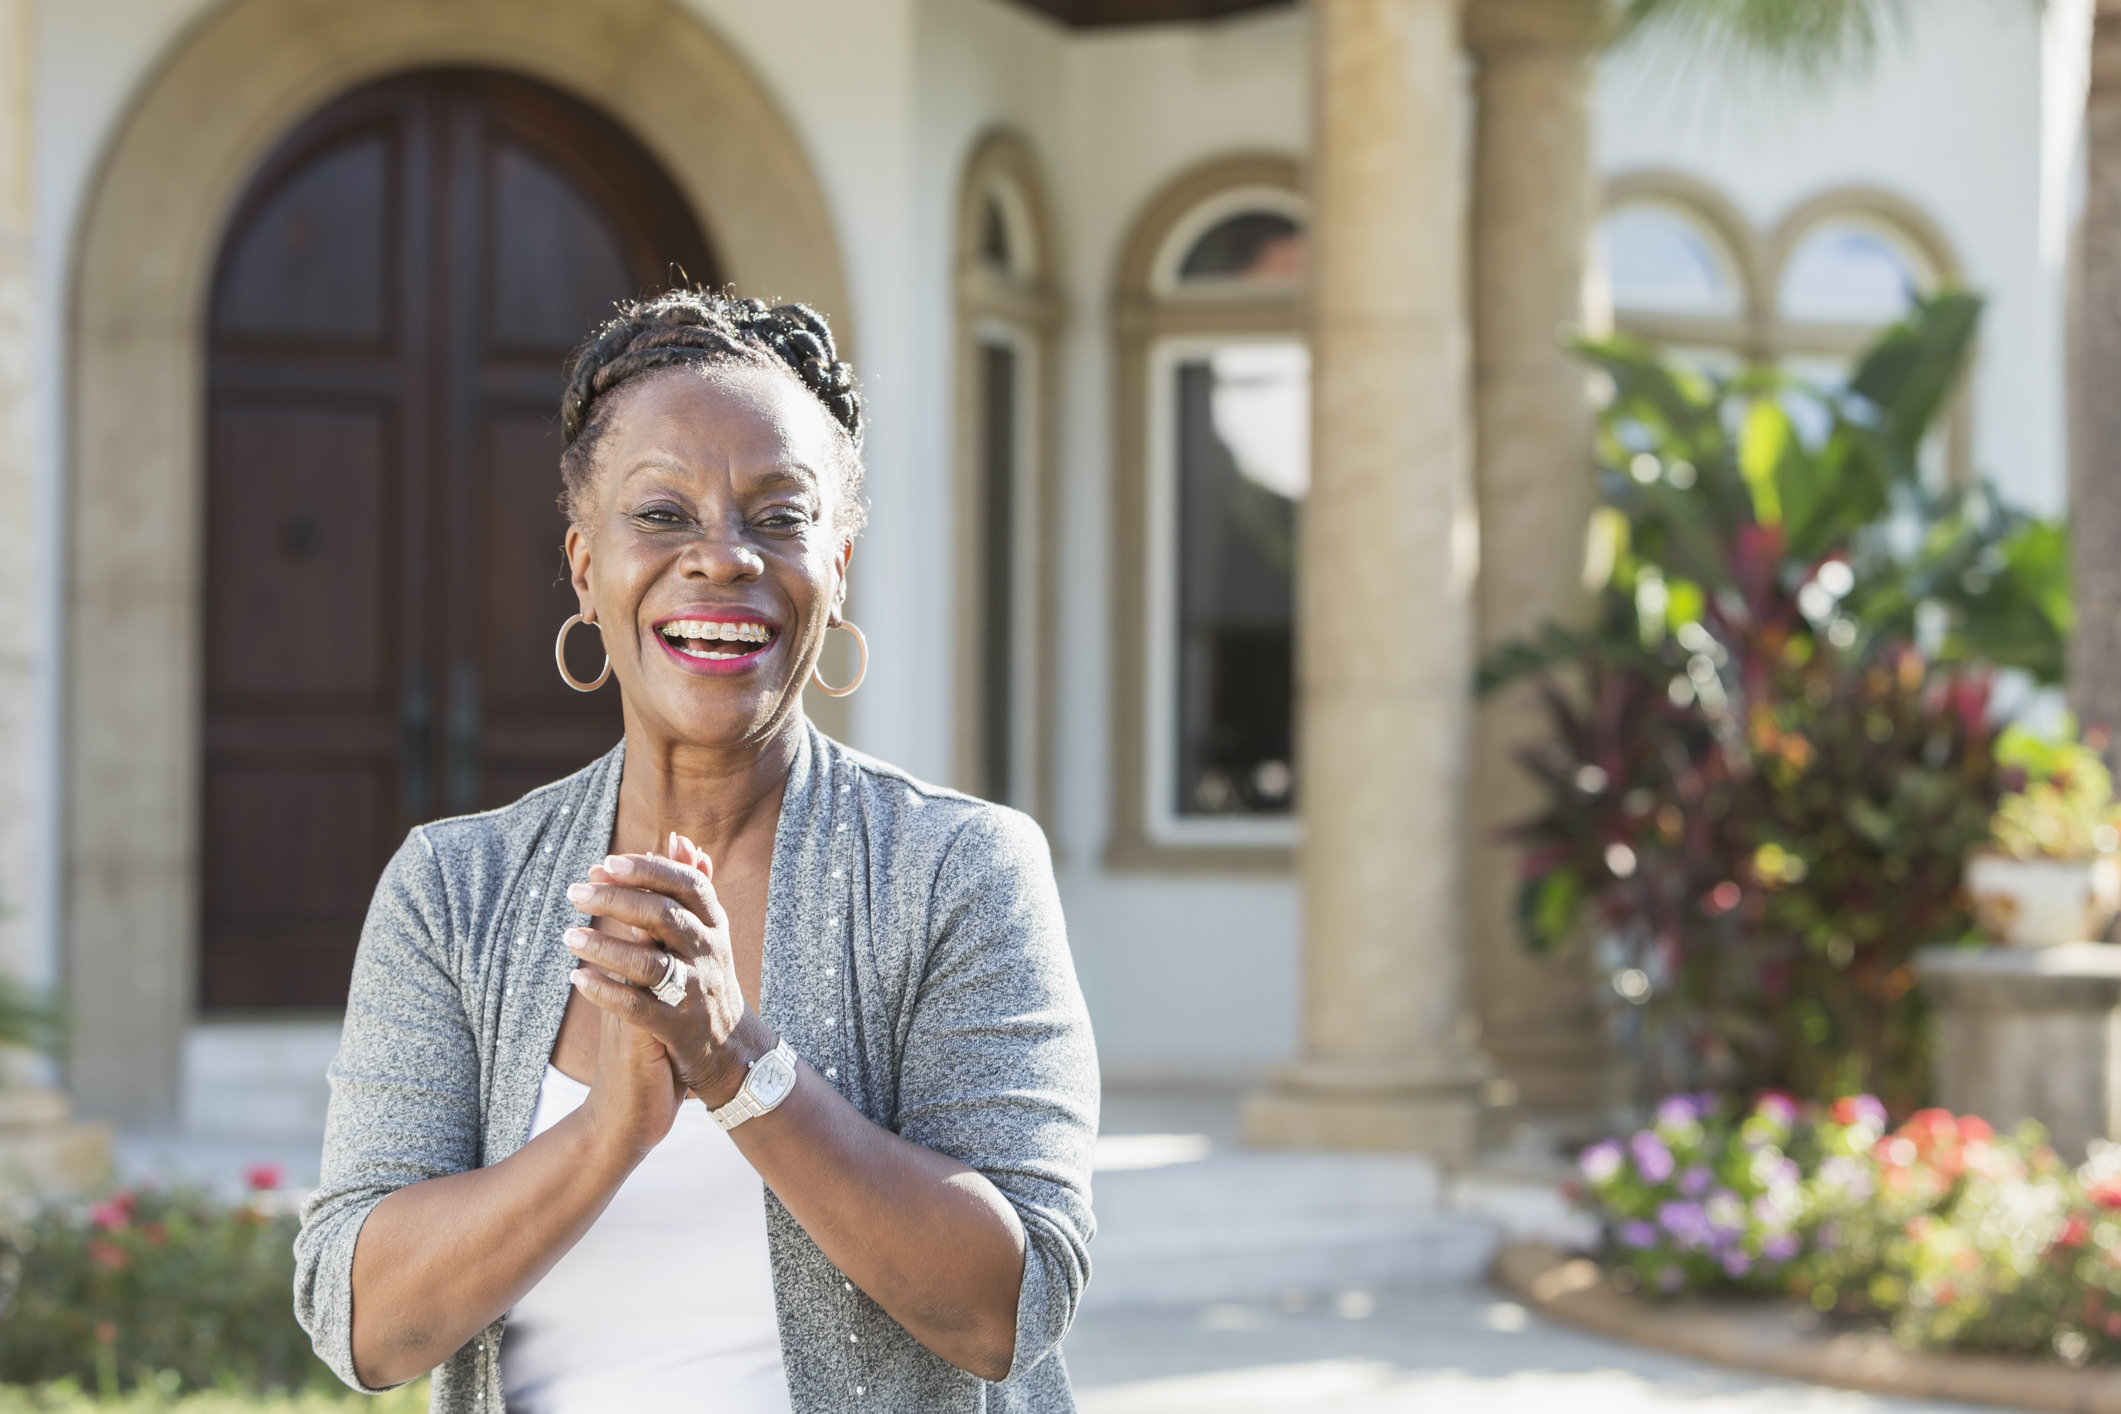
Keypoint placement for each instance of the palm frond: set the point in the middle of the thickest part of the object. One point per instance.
(1807, 43)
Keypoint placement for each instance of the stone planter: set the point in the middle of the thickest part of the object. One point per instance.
(2042, 903)
(44, 1151)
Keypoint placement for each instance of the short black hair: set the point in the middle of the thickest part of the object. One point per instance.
(702, 327)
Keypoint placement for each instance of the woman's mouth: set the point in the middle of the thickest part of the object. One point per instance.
(724, 643)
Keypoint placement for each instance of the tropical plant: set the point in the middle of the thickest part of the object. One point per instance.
(27, 1018)
(1770, 749)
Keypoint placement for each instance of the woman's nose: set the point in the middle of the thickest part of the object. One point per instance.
(722, 560)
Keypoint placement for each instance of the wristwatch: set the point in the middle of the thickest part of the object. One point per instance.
(770, 1080)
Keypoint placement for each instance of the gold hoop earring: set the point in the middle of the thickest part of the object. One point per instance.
(559, 658)
(859, 673)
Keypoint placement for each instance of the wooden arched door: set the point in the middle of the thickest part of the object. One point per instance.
(395, 299)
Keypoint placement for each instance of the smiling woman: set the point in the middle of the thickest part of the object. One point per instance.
(736, 1071)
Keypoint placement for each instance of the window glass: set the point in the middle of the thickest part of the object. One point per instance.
(1256, 247)
(1243, 467)
(997, 606)
(994, 233)
(1661, 261)
(1848, 273)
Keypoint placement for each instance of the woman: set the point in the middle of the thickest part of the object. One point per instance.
(735, 1072)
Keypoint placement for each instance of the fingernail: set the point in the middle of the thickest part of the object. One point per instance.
(575, 937)
(576, 978)
(578, 892)
(618, 866)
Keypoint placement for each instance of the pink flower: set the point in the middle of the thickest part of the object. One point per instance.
(111, 1216)
(265, 1177)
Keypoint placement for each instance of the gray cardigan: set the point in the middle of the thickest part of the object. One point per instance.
(915, 957)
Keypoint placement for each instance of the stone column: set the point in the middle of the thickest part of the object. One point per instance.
(20, 611)
(1533, 202)
(2095, 451)
(1385, 600)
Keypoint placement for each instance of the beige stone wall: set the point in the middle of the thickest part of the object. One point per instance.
(240, 80)
(21, 515)
(1533, 198)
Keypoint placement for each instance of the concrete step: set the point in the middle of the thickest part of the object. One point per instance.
(1246, 1226)
(258, 1080)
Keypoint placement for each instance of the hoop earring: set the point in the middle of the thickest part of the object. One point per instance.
(859, 673)
(559, 658)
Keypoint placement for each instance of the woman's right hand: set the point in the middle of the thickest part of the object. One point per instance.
(634, 1098)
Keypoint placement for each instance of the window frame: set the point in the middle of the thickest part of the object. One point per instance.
(1153, 318)
(1023, 308)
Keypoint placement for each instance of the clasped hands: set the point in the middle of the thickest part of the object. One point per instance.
(651, 1053)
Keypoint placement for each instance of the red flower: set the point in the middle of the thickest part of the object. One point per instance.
(2074, 1232)
(112, 1216)
(265, 1177)
(108, 1255)
(2107, 1194)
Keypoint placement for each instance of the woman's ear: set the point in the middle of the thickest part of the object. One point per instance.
(840, 562)
(576, 549)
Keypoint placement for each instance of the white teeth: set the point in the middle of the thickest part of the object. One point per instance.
(708, 628)
(702, 631)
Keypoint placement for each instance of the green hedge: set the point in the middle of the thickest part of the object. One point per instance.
(163, 1291)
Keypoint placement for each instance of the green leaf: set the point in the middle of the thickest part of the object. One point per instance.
(1763, 442)
(1908, 375)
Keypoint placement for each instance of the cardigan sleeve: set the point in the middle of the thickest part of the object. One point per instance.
(404, 1091)
(999, 1070)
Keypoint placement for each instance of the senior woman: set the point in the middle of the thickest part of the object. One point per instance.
(736, 1072)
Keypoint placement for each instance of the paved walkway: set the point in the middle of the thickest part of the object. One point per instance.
(1461, 1351)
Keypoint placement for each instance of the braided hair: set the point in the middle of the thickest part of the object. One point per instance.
(697, 328)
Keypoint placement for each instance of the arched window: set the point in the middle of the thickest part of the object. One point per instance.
(1684, 270)
(1660, 259)
(1007, 312)
(1214, 464)
(1850, 271)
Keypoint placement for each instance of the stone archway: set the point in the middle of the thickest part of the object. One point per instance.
(151, 227)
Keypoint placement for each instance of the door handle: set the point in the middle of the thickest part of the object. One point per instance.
(416, 742)
(463, 737)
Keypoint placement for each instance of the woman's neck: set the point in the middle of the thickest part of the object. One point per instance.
(719, 798)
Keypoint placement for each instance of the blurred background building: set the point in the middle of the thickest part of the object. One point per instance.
(285, 290)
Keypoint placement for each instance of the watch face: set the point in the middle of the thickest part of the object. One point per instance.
(772, 1078)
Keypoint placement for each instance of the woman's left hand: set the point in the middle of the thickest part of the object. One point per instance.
(712, 1036)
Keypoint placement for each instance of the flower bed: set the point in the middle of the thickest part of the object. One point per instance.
(1951, 1234)
(158, 1291)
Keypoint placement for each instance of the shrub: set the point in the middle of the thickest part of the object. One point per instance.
(152, 1288)
(1944, 1230)
(1769, 751)
(163, 1397)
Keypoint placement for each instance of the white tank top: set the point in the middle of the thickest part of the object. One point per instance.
(667, 1301)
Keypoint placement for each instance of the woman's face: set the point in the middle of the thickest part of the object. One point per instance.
(707, 552)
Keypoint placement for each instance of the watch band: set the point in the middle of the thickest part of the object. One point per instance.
(748, 1104)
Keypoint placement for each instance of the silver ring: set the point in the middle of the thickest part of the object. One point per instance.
(671, 990)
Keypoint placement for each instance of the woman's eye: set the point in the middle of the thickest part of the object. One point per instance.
(784, 518)
(660, 515)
